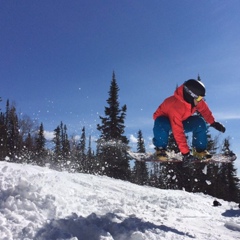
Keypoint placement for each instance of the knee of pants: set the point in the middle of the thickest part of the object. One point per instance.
(162, 124)
(200, 123)
(161, 131)
(194, 123)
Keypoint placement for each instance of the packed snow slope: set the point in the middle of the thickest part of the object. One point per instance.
(43, 204)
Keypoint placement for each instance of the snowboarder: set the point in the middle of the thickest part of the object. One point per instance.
(176, 115)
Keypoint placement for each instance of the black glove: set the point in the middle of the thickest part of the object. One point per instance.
(218, 126)
(188, 159)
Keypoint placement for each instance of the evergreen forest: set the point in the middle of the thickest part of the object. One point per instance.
(23, 141)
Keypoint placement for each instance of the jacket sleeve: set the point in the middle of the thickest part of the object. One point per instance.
(204, 110)
(157, 113)
(178, 133)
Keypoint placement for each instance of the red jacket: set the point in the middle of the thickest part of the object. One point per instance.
(178, 110)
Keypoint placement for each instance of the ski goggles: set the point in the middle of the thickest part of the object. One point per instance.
(199, 98)
(192, 94)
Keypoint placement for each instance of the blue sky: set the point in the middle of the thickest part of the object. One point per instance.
(57, 59)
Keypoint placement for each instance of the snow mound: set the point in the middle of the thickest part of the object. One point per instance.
(42, 204)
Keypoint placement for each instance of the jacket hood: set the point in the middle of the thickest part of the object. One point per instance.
(183, 96)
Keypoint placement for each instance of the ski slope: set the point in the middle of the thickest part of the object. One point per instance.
(43, 204)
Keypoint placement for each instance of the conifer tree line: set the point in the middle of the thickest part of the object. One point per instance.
(22, 141)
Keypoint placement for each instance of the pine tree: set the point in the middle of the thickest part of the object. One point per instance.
(65, 148)
(172, 144)
(112, 145)
(57, 156)
(3, 138)
(28, 153)
(198, 78)
(212, 143)
(89, 151)
(81, 152)
(82, 144)
(199, 183)
(171, 174)
(13, 137)
(140, 171)
(40, 147)
(140, 143)
(92, 164)
(213, 170)
(229, 181)
(74, 166)
(15, 134)
(223, 179)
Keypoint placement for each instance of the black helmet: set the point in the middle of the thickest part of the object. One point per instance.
(192, 89)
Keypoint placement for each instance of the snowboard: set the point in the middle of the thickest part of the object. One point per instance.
(177, 158)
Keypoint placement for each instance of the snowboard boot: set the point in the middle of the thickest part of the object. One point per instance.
(201, 154)
(161, 154)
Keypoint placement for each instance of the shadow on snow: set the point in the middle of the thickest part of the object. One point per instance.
(231, 213)
(93, 227)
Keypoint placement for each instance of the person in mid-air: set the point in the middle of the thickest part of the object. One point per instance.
(176, 115)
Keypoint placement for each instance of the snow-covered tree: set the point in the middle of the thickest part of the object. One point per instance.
(140, 171)
(112, 144)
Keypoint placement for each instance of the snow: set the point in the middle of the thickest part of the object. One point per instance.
(43, 204)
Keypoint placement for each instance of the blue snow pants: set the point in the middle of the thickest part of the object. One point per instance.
(194, 124)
